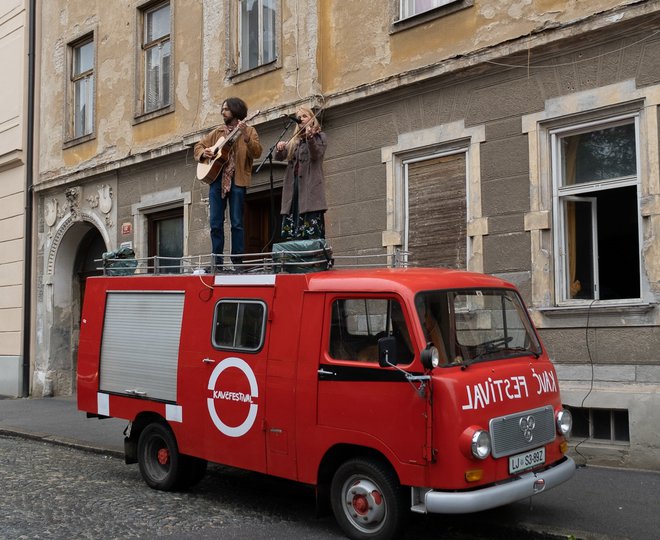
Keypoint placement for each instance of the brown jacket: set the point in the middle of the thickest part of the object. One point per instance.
(246, 152)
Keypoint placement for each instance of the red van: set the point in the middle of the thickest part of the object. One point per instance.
(389, 390)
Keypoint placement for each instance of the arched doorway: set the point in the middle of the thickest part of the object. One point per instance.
(73, 255)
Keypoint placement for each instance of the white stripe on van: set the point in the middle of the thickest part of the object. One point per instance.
(245, 279)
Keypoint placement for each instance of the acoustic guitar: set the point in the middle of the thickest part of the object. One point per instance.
(209, 169)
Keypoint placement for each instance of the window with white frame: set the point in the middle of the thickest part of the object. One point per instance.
(82, 83)
(257, 33)
(597, 217)
(410, 8)
(156, 57)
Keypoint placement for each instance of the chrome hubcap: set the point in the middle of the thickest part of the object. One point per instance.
(364, 503)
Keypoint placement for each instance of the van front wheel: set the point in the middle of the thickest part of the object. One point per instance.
(159, 458)
(367, 500)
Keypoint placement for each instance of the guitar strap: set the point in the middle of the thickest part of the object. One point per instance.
(230, 167)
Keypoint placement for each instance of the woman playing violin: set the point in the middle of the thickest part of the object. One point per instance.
(303, 193)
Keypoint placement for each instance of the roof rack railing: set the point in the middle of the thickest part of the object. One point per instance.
(398, 259)
(258, 263)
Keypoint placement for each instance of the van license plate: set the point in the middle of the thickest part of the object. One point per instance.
(528, 460)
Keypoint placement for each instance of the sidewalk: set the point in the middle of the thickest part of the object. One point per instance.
(58, 420)
(597, 503)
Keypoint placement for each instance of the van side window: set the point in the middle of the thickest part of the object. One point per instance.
(239, 325)
(358, 323)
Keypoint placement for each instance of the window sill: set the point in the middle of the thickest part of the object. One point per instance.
(598, 308)
(145, 117)
(598, 314)
(598, 443)
(241, 76)
(78, 140)
(426, 16)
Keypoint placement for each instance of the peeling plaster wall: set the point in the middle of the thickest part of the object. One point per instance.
(117, 135)
(362, 41)
(203, 76)
(325, 50)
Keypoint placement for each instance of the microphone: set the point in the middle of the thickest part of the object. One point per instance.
(292, 117)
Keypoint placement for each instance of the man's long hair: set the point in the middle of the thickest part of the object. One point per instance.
(237, 107)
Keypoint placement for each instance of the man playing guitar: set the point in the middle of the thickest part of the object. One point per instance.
(226, 155)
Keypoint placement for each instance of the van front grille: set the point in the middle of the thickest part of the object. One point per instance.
(522, 431)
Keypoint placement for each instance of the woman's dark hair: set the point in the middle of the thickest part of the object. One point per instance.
(237, 107)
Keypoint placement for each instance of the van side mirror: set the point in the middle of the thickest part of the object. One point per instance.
(387, 351)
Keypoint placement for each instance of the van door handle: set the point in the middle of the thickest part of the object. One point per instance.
(208, 360)
(324, 372)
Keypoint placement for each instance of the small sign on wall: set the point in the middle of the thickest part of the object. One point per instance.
(126, 228)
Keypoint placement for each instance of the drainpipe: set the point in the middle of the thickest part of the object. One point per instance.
(29, 182)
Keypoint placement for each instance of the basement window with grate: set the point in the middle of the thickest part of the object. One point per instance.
(606, 425)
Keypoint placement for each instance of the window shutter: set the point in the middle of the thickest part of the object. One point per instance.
(140, 346)
(437, 212)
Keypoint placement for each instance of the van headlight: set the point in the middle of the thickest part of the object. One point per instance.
(564, 422)
(480, 444)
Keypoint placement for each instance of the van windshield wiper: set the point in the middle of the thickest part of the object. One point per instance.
(521, 351)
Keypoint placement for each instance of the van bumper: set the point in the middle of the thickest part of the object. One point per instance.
(522, 487)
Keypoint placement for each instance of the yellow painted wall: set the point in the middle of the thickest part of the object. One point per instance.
(360, 42)
(117, 134)
(326, 47)
(201, 72)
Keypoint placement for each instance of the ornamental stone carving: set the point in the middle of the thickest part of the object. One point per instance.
(105, 198)
(50, 212)
(92, 200)
(73, 200)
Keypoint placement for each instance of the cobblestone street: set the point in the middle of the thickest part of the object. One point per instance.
(53, 491)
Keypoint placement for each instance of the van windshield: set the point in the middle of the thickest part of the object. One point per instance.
(473, 325)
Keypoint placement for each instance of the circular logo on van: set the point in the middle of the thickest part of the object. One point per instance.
(226, 395)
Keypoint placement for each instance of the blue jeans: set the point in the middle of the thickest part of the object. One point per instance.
(218, 206)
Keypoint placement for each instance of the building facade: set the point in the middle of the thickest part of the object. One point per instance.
(515, 138)
(13, 170)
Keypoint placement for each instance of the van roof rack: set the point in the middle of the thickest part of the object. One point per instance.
(116, 263)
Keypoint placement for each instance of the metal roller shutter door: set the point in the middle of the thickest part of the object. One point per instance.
(140, 346)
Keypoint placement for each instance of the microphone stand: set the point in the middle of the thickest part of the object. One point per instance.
(269, 157)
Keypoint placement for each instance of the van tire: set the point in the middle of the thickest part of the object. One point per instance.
(158, 457)
(367, 500)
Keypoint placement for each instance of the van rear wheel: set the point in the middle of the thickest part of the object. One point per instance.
(158, 457)
(367, 500)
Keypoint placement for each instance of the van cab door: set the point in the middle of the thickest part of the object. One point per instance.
(372, 405)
